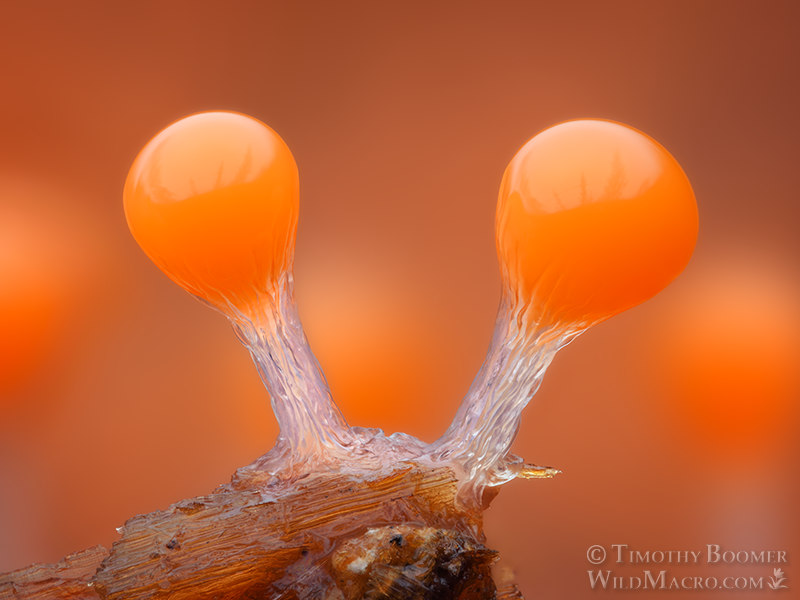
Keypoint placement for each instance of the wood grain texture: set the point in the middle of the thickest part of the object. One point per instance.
(67, 579)
(261, 538)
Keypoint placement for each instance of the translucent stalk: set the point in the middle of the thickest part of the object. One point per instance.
(310, 422)
(488, 419)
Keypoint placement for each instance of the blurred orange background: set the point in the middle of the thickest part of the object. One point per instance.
(676, 424)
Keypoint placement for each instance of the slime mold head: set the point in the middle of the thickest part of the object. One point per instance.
(213, 201)
(593, 217)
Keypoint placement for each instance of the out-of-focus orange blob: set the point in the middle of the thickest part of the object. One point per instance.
(213, 201)
(32, 298)
(593, 218)
(47, 259)
(726, 355)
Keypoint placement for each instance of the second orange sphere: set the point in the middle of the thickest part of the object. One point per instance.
(593, 218)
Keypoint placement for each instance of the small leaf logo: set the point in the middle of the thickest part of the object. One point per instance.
(776, 581)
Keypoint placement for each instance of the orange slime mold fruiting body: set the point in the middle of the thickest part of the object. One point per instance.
(594, 217)
(213, 201)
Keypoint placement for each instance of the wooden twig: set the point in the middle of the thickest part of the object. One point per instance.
(330, 535)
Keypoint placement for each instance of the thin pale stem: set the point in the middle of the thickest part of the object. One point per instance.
(309, 420)
(488, 419)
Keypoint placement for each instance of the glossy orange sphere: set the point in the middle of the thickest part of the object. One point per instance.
(593, 218)
(213, 201)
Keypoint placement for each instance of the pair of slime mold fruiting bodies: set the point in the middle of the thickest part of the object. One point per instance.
(593, 217)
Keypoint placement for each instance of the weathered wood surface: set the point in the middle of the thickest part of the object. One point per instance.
(67, 579)
(244, 541)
